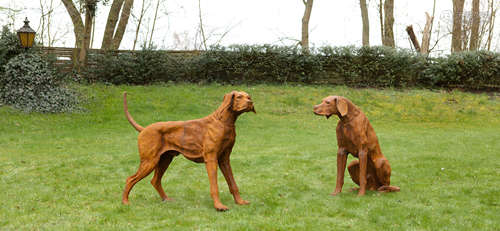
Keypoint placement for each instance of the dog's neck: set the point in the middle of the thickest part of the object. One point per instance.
(226, 115)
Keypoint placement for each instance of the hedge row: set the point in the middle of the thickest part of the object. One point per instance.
(352, 66)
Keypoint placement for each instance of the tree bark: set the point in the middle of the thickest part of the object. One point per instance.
(76, 19)
(413, 38)
(122, 25)
(492, 24)
(139, 25)
(388, 23)
(366, 23)
(456, 35)
(381, 18)
(474, 33)
(426, 37)
(154, 23)
(109, 30)
(305, 25)
(89, 14)
(203, 38)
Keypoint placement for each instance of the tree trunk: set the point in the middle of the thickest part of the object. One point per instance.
(305, 25)
(122, 25)
(474, 33)
(456, 35)
(413, 38)
(381, 18)
(109, 30)
(203, 38)
(426, 37)
(154, 23)
(76, 19)
(366, 23)
(388, 23)
(492, 24)
(89, 14)
(139, 25)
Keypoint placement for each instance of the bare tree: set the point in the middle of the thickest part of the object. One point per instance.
(109, 30)
(366, 23)
(139, 22)
(202, 32)
(493, 11)
(154, 23)
(456, 39)
(474, 34)
(90, 6)
(113, 34)
(381, 19)
(427, 33)
(305, 25)
(78, 25)
(388, 39)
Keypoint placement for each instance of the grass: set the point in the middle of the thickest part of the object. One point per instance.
(67, 171)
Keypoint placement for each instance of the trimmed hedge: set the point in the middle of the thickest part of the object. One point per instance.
(353, 66)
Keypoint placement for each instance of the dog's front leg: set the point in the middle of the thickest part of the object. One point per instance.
(225, 168)
(363, 161)
(341, 163)
(211, 165)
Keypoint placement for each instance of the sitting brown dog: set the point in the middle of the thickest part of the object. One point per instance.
(209, 139)
(355, 135)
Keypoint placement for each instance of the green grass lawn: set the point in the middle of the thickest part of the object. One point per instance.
(67, 171)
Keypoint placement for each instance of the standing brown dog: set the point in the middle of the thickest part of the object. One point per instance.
(355, 135)
(209, 140)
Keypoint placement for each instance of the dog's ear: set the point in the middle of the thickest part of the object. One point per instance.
(228, 99)
(341, 105)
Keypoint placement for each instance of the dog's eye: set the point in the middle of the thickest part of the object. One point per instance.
(327, 102)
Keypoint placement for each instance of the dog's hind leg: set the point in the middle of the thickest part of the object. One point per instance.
(371, 182)
(383, 171)
(145, 168)
(160, 169)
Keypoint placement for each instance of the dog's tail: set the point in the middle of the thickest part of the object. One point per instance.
(137, 127)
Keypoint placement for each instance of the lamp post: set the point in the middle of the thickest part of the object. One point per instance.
(26, 35)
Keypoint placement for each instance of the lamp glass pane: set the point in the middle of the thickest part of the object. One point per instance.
(24, 39)
(31, 38)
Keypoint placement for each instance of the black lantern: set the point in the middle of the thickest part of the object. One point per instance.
(26, 35)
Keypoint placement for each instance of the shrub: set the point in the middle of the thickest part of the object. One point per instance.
(142, 67)
(353, 66)
(256, 64)
(9, 47)
(373, 66)
(30, 84)
(470, 70)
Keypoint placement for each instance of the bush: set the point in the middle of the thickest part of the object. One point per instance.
(141, 67)
(9, 47)
(30, 84)
(373, 66)
(256, 64)
(353, 66)
(470, 70)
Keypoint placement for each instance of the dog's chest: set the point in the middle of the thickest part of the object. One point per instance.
(347, 139)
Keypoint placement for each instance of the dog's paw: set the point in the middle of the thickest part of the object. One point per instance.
(221, 207)
(167, 199)
(243, 202)
(334, 193)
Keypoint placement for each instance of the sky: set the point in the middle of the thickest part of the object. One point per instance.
(332, 23)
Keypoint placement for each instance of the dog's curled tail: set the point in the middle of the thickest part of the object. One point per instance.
(137, 127)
